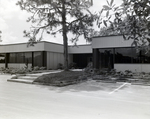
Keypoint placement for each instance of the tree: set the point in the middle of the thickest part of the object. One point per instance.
(58, 16)
(132, 19)
(111, 29)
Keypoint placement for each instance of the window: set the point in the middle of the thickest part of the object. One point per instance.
(12, 58)
(38, 59)
(145, 57)
(106, 58)
(20, 57)
(2, 58)
(28, 57)
(129, 55)
(123, 55)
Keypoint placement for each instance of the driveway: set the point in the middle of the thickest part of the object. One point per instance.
(88, 100)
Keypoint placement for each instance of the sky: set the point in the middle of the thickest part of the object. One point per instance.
(13, 22)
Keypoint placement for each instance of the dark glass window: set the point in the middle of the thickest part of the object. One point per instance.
(38, 59)
(145, 57)
(128, 55)
(28, 57)
(2, 58)
(136, 56)
(20, 58)
(82, 60)
(123, 55)
(12, 58)
(106, 58)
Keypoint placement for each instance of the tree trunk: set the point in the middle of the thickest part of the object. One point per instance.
(65, 39)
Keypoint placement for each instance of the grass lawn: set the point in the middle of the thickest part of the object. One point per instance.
(62, 78)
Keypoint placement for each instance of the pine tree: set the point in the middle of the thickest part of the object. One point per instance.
(59, 16)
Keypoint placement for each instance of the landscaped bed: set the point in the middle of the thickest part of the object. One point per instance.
(62, 78)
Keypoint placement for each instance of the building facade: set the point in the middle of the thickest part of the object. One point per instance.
(42, 54)
(105, 52)
(115, 52)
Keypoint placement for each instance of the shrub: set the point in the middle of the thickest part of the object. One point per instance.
(60, 66)
(23, 70)
(89, 68)
(72, 65)
(36, 68)
(42, 68)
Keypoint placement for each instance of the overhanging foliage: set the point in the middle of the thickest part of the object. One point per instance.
(132, 19)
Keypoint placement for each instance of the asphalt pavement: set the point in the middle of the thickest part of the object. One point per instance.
(87, 100)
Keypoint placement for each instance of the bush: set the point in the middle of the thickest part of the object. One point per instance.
(23, 70)
(89, 68)
(72, 65)
(60, 66)
(42, 68)
(36, 68)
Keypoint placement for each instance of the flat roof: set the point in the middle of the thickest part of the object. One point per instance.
(45, 46)
(45, 42)
(27, 43)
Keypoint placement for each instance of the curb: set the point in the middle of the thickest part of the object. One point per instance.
(20, 81)
(142, 84)
(132, 83)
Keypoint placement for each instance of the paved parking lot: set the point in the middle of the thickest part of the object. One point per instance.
(88, 100)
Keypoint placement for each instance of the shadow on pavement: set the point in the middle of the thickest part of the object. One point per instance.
(89, 86)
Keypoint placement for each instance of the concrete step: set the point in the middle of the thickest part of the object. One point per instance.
(33, 75)
(21, 81)
(40, 74)
(27, 77)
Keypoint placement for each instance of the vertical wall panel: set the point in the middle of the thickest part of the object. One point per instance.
(70, 58)
(50, 60)
(53, 59)
(47, 60)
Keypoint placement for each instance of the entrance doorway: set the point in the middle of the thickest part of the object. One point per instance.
(106, 59)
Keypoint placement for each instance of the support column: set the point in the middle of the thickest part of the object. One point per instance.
(32, 59)
(6, 60)
(95, 58)
(113, 57)
(44, 53)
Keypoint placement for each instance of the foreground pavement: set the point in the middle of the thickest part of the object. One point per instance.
(88, 100)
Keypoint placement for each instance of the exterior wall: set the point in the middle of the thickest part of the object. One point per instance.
(70, 58)
(53, 59)
(110, 42)
(17, 65)
(133, 67)
(2, 65)
(52, 47)
(80, 49)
